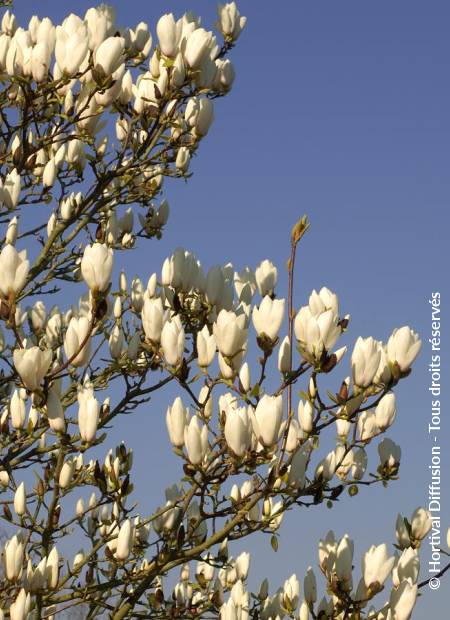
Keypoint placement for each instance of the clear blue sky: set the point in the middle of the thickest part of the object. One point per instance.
(340, 110)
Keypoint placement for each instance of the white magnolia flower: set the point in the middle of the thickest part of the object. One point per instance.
(32, 365)
(14, 268)
(96, 267)
(268, 317)
(403, 347)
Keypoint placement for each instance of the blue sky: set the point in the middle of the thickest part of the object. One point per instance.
(340, 111)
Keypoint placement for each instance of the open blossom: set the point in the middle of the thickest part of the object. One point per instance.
(78, 332)
(403, 347)
(316, 334)
(32, 365)
(14, 268)
(377, 565)
(268, 317)
(231, 23)
(266, 277)
(390, 453)
(322, 301)
(96, 266)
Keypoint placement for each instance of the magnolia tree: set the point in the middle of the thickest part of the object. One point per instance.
(94, 116)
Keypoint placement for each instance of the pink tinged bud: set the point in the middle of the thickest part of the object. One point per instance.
(124, 541)
(176, 421)
(32, 365)
(96, 266)
(14, 268)
(403, 347)
(267, 419)
(20, 501)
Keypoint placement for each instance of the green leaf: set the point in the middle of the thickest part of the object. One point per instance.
(274, 543)
(353, 490)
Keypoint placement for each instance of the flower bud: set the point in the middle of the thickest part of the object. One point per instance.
(268, 317)
(206, 347)
(78, 332)
(176, 421)
(365, 361)
(172, 341)
(385, 411)
(124, 541)
(20, 501)
(196, 440)
(96, 267)
(267, 419)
